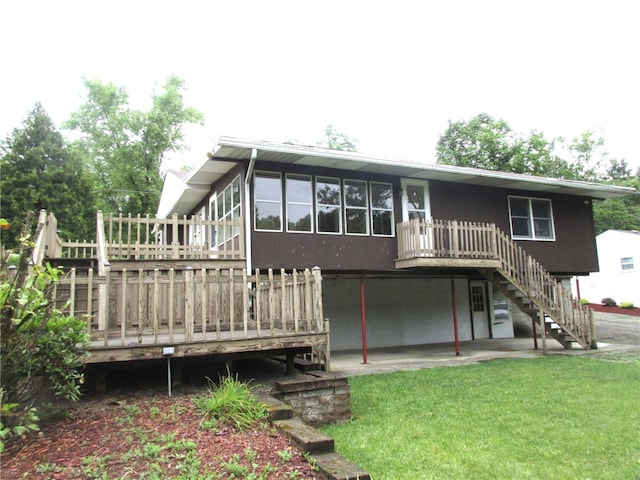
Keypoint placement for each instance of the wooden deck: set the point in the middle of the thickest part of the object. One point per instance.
(151, 288)
(484, 247)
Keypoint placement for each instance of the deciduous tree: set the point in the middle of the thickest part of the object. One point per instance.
(126, 147)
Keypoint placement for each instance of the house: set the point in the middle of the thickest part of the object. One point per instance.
(619, 269)
(410, 253)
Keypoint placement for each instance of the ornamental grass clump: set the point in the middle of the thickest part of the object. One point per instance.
(231, 402)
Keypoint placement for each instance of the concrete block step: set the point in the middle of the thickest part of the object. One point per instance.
(334, 466)
(306, 438)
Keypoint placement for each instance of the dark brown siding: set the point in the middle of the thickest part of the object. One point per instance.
(327, 251)
(574, 249)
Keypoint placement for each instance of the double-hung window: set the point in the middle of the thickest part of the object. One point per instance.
(356, 207)
(299, 203)
(328, 205)
(531, 218)
(268, 201)
(382, 208)
(626, 263)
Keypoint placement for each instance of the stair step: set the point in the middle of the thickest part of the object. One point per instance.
(276, 409)
(308, 439)
(334, 466)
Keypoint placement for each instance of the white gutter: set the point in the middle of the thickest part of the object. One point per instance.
(247, 208)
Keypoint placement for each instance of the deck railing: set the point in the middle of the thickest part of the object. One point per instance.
(144, 238)
(155, 306)
(452, 239)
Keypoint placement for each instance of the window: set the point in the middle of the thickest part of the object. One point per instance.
(268, 201)
(416, 206)
(227, 208)
(299, 203)
(477, 298)
(328, 205)
(382, 208)
(626, 263)
(356, 208)
(531, 218)
(196, 230)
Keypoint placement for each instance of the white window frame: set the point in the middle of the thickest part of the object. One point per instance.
(628, 263)
(279, 202)
(318, 205)
(220, 211)
(531, 219)
(366, 208)
(379, 209)
(309, 203)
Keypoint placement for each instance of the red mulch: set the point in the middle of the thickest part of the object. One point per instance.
(622, 311)
(105, 430)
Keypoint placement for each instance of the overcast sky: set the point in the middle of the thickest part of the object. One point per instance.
(389, 74)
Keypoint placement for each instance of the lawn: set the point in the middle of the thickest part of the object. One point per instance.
(552, 417)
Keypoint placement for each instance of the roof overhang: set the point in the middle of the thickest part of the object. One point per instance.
(229, 151)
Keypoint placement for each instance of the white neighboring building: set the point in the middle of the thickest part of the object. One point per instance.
(619, 275)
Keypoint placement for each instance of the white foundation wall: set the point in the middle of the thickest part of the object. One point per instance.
(413, 311)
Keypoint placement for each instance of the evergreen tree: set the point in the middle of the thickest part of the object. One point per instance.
(38, 171)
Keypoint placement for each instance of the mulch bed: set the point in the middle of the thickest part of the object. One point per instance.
(103, 432)
(622, 311)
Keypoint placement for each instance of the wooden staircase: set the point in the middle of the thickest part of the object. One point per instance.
(530, 287)
(483, 246)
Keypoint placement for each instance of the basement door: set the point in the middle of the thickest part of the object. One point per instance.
(479, 309)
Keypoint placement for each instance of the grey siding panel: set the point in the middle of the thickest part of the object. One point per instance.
(415, 311)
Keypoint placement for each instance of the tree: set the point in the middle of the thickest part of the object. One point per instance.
(39, 170)
(483, 142)
(126, 147)
(338, 141)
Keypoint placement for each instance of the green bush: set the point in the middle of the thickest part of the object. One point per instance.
(42, 348)
(584, 301)
(609, 302)
(231, 402)
(626, 304)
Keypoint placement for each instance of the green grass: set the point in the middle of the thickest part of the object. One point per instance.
(547, 418)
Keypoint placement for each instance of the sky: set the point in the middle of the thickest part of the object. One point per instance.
(390, 75)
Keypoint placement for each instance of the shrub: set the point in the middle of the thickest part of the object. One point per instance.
(42, 348)
(231, 402)
(584, 301)
(626, 304)
(609, 302)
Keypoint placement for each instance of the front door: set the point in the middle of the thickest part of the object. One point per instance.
(479, 310)
(415, 200)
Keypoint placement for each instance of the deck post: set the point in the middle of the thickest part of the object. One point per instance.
(455, 317)
(363, 320)
(543, 333)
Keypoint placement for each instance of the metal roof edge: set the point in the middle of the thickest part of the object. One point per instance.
(228, 141)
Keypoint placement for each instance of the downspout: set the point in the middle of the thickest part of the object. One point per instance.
(247, 208)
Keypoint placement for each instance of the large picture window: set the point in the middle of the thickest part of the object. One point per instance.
(382, 208)
(531, 218)
(268, 201)
(299, 203)
(356, 208)
(328, 205)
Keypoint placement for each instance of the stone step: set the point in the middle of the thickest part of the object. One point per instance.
(334, 466)
(306, 438)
